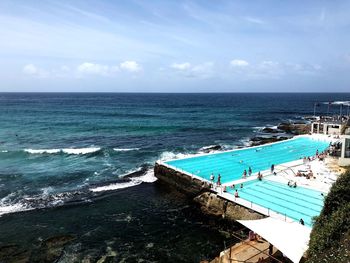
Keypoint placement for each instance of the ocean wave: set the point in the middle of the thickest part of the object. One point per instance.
(245, 142)
(125, 149)
(48, 197)
(165, 156)
(19, 202)
(13, 208)
(147, 177)
(75, 151)
(41, 151)
(4, 151)
(81, 150)
(116, 186)
(345, 102)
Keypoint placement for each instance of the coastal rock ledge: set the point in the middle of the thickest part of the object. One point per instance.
(209, 202)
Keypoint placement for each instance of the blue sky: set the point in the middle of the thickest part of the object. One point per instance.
(175, 46)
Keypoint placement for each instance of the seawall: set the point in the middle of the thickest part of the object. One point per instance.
(209, 202)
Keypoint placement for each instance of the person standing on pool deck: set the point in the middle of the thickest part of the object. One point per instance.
(219, 180)
(250, 171)
(272, 168)
(212, 177)
(236, 194)
(259, 176)
(301, 221)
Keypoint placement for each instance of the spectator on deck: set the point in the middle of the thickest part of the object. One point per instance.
(236, 194)
(219, 180)
(212, 178)
(301, 221)
(250, 171)
(260, 176)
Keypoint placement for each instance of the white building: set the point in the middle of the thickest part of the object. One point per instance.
(327, 127)
(344, 159)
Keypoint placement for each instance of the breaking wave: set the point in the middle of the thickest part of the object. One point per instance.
(345, 102)
(146, 177)
(75, 151)
(19, 202)
(125, 149)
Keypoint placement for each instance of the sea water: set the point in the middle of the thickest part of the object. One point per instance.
(82, 164)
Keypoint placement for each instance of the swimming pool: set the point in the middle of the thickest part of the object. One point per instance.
(295, 203)
(231, 164)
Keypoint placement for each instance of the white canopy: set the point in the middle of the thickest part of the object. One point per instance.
(291, 239)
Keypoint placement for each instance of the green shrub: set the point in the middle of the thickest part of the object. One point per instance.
(329, 240)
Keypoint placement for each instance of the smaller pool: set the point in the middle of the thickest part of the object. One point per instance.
(295, 203)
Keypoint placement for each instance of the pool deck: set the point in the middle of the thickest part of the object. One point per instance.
(284, 173)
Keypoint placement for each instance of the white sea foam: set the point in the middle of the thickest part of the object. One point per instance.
(12, 208)
(165, 156)
(116, 186)
(207, 147)
(345, 102)
(125, 149)
(81, 150)
(4, 151)
(41, 151)
(148, 177)
(66, 150)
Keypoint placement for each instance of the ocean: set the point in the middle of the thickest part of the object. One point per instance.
(81, 164)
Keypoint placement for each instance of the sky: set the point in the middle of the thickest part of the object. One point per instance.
(174, 46)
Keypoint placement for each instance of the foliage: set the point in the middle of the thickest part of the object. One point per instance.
(330, 237)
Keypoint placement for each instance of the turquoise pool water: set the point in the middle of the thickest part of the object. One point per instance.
(295, 203)
(230, 165)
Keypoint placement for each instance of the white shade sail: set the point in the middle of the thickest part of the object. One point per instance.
(291, 238)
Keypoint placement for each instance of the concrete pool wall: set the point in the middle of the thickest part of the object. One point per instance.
(199, 189)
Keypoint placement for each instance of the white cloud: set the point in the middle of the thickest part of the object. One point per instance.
(131, 66)
(32, 70)
(94, 69)
(202, 70)
(181, 66)
(205, 69)
(239, 63)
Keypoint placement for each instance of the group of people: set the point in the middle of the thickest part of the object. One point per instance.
(308, 175)
(244, 176)
(212, 179)
(259, 176)
(320, 156)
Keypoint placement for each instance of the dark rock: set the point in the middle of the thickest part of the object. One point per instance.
(270, 130)
(51, 249)
(294, 128)
(263, 140)
(208, 149)
(14, 254)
